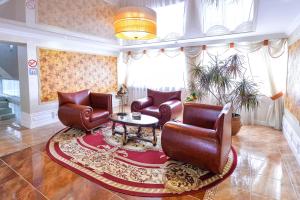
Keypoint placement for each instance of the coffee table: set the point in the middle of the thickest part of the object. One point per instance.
(128, 120)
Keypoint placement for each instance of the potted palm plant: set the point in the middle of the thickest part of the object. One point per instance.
(225, 81)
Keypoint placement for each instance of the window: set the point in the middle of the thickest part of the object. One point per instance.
(11, 87)
(159, 72)
(170, 21)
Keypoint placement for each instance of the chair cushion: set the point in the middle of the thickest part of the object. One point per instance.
(99, 114)
(161, 97)
(152, 111)
(81, 98)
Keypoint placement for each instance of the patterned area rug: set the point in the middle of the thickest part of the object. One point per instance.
(136, 168)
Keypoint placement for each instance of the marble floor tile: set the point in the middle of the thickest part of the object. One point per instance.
(266, 169)
(12, 186)
(273, 188)
(228, 190)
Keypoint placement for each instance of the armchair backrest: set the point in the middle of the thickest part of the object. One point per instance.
(81, 98)
(201, 115)
(161, 97)
(223, 127)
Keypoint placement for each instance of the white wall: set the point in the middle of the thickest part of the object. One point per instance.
(291, 126)
(34, 113)
(13, 10)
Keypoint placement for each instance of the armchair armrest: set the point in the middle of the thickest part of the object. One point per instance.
(191, 144)
(184, 142)
(140, 104)
(172, 129)
(74, 115)
(170, 110)
(104, 101)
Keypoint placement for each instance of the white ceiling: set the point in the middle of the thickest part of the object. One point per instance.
(275, 19)
(278, 16)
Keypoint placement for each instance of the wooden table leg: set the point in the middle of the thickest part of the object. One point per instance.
(124, 139)
(139, 132)
(113, 128)
(154, 136)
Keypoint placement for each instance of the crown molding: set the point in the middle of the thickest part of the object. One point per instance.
(243, 37)
(22, 33)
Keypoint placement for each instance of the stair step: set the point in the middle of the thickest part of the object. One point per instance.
(3, 99)
(7, 116)
(3, 104)
(5, 111)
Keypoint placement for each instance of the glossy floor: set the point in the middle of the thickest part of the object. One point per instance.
(266, 168)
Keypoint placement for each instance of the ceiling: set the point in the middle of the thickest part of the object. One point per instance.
(278, 16)
(273, 16)
(275, 19)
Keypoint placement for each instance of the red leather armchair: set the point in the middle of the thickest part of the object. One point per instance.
(84, 110)
(162, 105)
(203, 139)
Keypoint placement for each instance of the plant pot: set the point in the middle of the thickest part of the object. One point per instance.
(235, 124)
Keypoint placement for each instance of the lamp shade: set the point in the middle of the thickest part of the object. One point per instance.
(135, 23)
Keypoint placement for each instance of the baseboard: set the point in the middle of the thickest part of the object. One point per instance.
(43, 118)
(38, 119)
(291, 131)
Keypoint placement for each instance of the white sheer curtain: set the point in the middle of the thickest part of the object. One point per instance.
(266, 64)
(205, 17)
(163, 71)
(270, 72)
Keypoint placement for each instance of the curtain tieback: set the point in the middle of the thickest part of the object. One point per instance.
(276, 96)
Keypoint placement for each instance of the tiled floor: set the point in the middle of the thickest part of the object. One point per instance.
(266, 168)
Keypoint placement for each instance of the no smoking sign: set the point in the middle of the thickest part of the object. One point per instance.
(32, 67)
(30, 4)
(32, 63)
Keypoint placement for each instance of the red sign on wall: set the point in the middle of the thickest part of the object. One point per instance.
(30, 4)
(32, 67)
(32, 63)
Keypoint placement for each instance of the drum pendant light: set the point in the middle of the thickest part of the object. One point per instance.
(135, 23)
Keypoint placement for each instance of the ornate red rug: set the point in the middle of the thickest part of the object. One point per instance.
(136, 168)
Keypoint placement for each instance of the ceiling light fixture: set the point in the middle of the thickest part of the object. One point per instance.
(135, 23)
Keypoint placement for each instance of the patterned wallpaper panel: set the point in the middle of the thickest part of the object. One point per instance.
(292, 101)
(69, 72)
(86, 16)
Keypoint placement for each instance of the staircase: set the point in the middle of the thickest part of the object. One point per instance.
(5, 111)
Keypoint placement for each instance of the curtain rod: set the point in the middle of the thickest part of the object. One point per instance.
(214, 40)
(204, 47)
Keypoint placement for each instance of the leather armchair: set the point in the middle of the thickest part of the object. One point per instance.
(84, 110)
(203, 139)
(162, 105)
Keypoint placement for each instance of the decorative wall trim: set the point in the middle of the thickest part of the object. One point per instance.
(291, 131)
(242, 37)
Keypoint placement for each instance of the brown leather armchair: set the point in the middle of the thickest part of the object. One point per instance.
(84, 110)
(162, 105)
(203, 139)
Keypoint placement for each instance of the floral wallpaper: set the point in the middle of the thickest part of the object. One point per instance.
(87, 16)
(292, 101)
(69, 72)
